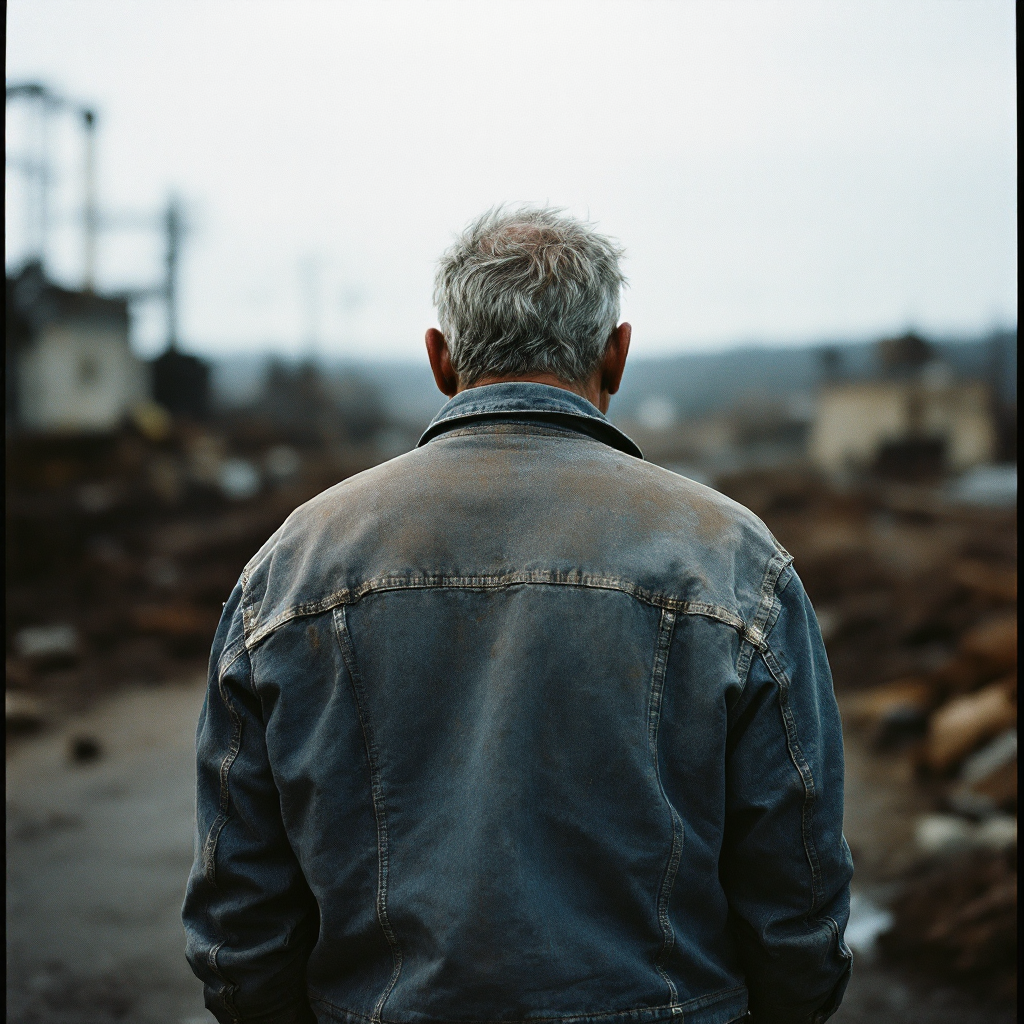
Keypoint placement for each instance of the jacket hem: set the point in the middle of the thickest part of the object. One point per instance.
(720, 1007)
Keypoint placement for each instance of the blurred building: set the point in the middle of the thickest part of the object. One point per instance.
(69, 365)
(915, 417)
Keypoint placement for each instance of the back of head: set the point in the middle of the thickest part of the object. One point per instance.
(528, 291)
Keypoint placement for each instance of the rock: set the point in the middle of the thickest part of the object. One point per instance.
(985, 652)
(946, 835)
(989, 580)
(992, 645)
(942, 834)
(84, 749)
(959, 726)
(998, 833)
(993, 756)
(23, 713)
(54, 643)
(1000, 786)
(238, 479)
(968, 803)
(894, 712)
(988, 778)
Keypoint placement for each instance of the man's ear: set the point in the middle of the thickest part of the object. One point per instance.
(614, 361)
(446, 379)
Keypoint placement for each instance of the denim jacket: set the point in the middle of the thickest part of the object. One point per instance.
(519, 727)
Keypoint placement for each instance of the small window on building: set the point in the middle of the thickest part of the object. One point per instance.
(88, 371)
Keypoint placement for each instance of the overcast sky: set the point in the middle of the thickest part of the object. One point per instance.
(778, 172)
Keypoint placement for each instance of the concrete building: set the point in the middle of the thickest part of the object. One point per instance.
(925, 416)
(70, 368)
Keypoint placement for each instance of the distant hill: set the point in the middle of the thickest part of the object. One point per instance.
(693, 383)
(699, 383)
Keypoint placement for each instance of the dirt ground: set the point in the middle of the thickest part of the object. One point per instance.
(97, 856)
(98, 852)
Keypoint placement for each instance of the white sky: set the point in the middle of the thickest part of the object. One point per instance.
(778, 172)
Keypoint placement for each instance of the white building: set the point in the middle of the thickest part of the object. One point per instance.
(70, 367)
(856, 420)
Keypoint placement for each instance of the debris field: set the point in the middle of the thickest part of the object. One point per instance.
(121, 550)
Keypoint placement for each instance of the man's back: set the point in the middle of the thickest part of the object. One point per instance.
(520, 727)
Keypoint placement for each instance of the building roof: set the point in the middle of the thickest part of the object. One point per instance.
(33, 303)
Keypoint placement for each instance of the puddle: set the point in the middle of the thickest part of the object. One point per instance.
(867, 922)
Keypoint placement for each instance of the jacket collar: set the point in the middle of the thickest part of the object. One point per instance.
(520, 400)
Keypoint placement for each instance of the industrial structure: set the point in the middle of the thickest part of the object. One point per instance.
(69, 363)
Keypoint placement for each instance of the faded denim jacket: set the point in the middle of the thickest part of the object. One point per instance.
(520, 727)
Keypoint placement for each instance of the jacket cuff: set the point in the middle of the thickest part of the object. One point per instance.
(298, 1013)
(760, 1014)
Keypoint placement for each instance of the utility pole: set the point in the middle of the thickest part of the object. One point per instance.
(173, 226)
(90, 217)
(45, 177)
(37, 168)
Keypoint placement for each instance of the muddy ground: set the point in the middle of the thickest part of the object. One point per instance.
(98, 852)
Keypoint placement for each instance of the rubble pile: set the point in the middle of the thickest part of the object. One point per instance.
(122, 549)
(917, 599)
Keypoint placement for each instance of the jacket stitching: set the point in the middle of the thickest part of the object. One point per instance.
(229, 987)
(506, 427)
(377, 795)
(754, 638)
(232, 654)
(248, 613)
(234, 745)
(575, 579)
(844, 951)
(665, 631)
(210, 846)
(804, 770)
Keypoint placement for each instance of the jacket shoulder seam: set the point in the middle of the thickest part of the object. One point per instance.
(352, 595)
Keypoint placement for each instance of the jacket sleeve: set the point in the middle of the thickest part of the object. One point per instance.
(250, 919)
(785, 864)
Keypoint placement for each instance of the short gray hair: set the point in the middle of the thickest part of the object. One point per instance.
(528, 290)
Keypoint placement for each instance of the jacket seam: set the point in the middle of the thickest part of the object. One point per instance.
(234, 745)
(754, 637)
(232, 654)
(804, 771)
(521, 427)
(379, 810)
(844, 951)
(664, 642)
(248, 613)
(210, 846)
(378, 584)
(229, 987)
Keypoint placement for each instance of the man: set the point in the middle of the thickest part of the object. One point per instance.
(517, 726)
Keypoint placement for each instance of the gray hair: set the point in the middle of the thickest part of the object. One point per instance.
(529, 290)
